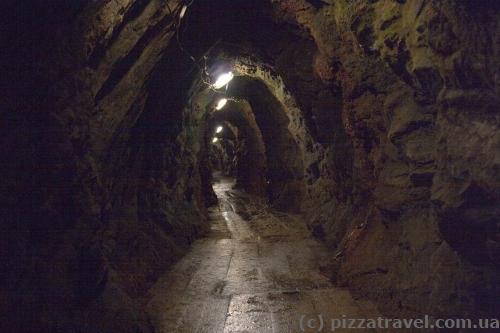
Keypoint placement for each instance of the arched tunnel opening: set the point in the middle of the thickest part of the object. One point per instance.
(258, 149)
(238, 149)
(248, 166)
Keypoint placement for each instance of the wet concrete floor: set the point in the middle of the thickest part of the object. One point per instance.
(257, 271)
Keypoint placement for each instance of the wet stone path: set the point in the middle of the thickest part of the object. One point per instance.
(257, 271)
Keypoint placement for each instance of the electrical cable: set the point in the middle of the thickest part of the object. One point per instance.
(179, 42)
(205, 77)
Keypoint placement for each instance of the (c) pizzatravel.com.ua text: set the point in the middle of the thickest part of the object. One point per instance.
(320, 323)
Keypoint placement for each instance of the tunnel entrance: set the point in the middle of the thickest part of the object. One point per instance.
(284, 172)
(236, 146)
(248, 137)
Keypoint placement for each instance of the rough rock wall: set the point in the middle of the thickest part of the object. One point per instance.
(390, 103)
(96, 201)
(416, 223)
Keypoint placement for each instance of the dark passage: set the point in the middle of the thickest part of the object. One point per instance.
(243, 166)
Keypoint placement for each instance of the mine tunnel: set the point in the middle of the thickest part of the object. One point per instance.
(249, 166)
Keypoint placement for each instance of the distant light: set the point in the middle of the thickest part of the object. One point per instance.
(183, 11)
(221, 103)
(214, 140)
(223, 79)
(219, 129)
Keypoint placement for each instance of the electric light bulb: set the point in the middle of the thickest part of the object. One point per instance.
(219, 129)
(214, 140)
(223, 79)
(221, 103)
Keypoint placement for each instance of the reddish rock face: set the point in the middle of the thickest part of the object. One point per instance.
(376, 120)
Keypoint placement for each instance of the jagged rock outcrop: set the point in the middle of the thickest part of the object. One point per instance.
(415, 226)
(92, 212)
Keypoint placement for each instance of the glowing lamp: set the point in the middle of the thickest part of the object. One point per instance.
(219, 129)
(223, 79)
(221, 103)
(214, 140)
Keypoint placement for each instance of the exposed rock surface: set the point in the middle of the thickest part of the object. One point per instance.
(382, 116)
(416, 224)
